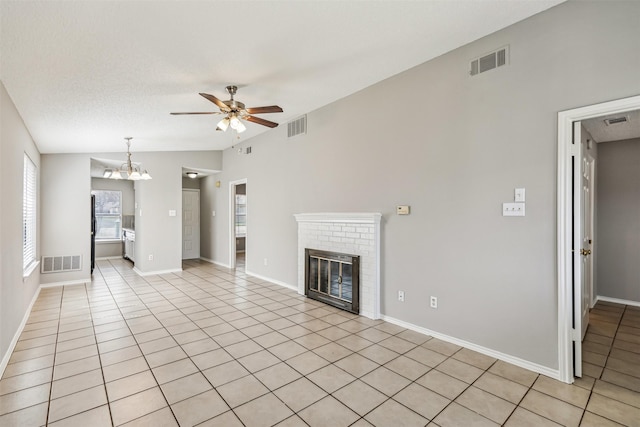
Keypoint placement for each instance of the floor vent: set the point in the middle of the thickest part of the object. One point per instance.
(56, 264)
(297, 127)
(495, 59)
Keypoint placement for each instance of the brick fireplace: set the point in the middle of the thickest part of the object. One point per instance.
(352, 233)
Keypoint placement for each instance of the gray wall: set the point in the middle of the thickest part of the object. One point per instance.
(16, 293)
(67, 186)
(191, 183)
(208, 238)
(618, 210)
(453, 147)
(114, 249)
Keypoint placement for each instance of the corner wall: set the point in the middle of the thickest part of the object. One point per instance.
(453, 147)
(16, 294)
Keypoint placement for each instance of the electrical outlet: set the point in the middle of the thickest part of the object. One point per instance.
(265, 262)
(434, 302)
(401, 296)
(150, 257)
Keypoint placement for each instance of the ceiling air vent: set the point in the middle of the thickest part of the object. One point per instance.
(56, 264)
(492, 60)
(297, 126)
(616, 120)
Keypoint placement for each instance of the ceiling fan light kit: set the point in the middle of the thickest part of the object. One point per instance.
(128, 170)
(235, 112)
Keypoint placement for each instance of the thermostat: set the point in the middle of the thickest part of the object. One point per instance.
(402, 210)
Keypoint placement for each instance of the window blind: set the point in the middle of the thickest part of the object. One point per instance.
(28, 213)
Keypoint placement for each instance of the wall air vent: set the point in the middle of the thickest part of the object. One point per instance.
(297, 126)
(56, 264)
(495, 59)
(616, 120)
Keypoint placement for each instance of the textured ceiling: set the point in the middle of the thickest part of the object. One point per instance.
(85, 74)
(601, 132)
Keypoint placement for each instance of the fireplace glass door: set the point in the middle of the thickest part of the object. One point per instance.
(333, 278)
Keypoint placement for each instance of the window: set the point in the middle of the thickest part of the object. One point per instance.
(108, 214)
(241, 215)
(28, 215)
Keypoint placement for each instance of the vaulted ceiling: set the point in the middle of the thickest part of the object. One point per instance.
(85, 74)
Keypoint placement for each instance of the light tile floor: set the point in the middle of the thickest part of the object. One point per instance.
(214, 347)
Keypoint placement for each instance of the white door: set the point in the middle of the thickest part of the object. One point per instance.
(190, 224)
(588, 167)
(583, 167)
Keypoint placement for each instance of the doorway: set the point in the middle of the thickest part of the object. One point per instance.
(190, 223)
(572, 227)
(238, 224)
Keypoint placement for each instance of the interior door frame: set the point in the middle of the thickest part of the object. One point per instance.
(568, 226)
(232, 221)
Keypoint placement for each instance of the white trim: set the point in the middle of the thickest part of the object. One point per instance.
(152, 273)
(618, 301)
(564, 221)
(12, 345)
(359, 217)
(552, 373)
(270, 280)
(26, 273)
(106, 258)
(232, 220)
(65, 283)
(214, 262)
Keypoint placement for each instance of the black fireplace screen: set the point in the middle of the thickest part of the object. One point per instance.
(333, 278)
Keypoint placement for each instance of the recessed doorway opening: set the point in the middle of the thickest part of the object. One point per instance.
(574, 299)
(238, 224)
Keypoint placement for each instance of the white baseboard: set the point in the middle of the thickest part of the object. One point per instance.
(152, 273)
(106, 258)
(219, 264)
(14, 341)
(618, 301)
(552, 373)
(65, 283)
(274, 281)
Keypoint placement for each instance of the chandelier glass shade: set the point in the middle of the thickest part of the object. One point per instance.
(232, 121)
(128, 170)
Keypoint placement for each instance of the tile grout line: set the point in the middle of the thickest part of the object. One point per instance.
(53, 366)
(104, 381)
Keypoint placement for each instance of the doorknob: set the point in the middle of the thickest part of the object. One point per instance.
(585, 252)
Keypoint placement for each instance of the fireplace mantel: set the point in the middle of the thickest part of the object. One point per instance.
(356, 233)
(350, 217)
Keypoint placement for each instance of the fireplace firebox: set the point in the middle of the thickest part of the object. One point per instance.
(333, 278)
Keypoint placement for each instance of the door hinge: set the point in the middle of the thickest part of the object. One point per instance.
(575, 335)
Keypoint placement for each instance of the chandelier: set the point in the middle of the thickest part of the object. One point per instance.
(128, 170)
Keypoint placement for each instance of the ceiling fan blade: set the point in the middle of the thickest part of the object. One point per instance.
(216, 101)
(178, 114)
(260, 121)
(263, 110)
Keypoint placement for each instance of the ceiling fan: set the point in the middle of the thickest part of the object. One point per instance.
(235, 111)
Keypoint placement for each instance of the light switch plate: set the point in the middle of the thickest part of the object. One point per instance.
(513, 209)
(172, 212)
(519, 195)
